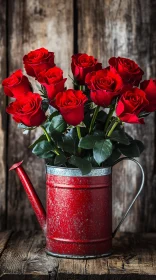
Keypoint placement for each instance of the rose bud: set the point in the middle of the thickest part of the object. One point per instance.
(52, 80)
(82, 64)
(70, 103)
(27, 110)
(131, 103)
(149, 86)
(104, 84)
(16, 84)
(37, 61)
(129, 71)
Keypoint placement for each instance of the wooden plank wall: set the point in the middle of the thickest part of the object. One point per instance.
(3, 120)
(103, 28)
(33, 24)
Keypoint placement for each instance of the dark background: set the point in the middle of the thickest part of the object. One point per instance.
(102, 28)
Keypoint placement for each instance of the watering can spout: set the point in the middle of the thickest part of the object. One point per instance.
(31, 193)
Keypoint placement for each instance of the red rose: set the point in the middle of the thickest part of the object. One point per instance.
(37, 61)
(52, 80)
(129, 71)
(70, 103)
(130, 104)
(104, 84)
(27, 110)
(82, 64)
(149, 86)
(16, 84)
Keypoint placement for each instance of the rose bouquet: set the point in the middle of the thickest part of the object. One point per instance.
(77, 130)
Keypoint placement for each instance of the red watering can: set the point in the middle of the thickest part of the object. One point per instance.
(78, 218)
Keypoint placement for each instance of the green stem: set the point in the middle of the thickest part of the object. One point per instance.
(56, 152)
(113, 127)
(111, 111)
(81, 87)
(79, 136)
(94, 118)
(46, 133)
(78, 132)
(49, 139)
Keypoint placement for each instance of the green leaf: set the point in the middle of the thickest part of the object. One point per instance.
(90, 158)
(99, 133)
(70, 141)
(140, 145)
(56, 137)
(48, 123)
(52, 109)
(50, 160)
(102, 150)
(89, 141)
(60, 160)
(119, 135)
(114, 156)
(46, 155)
(58, 124)
(45, 105)
(133, 150)
(83, 164)
(41, 138)
(129, 137)
(53, 114)
(42, 148)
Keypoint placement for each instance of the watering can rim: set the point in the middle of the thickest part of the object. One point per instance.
(73, 171)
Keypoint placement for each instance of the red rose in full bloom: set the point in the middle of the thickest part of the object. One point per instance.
(37, 61)
(129, 71)
(104, 84)
(52, 80)
(27, 110)
(70, 103)
(149, 86)
(16, 84)
(82, 64)
(131, 103)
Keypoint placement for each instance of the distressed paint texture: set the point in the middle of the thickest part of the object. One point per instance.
(103, 28)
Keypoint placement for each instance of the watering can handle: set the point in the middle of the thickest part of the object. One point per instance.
(139, 191)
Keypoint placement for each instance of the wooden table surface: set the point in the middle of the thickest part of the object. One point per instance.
(22, 256)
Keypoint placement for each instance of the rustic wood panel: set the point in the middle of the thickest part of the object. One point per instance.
(33, 24)
(134, 258)
(4, 237)
(3, 121)
(126, 28)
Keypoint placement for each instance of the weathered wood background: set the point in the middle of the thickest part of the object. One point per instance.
(102, 28)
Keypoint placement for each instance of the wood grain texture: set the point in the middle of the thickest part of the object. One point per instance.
(33, 24)
(3, 121)
(4, 237)
(134, 258)
(25, 254)
(126, 28)
(105, 28)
